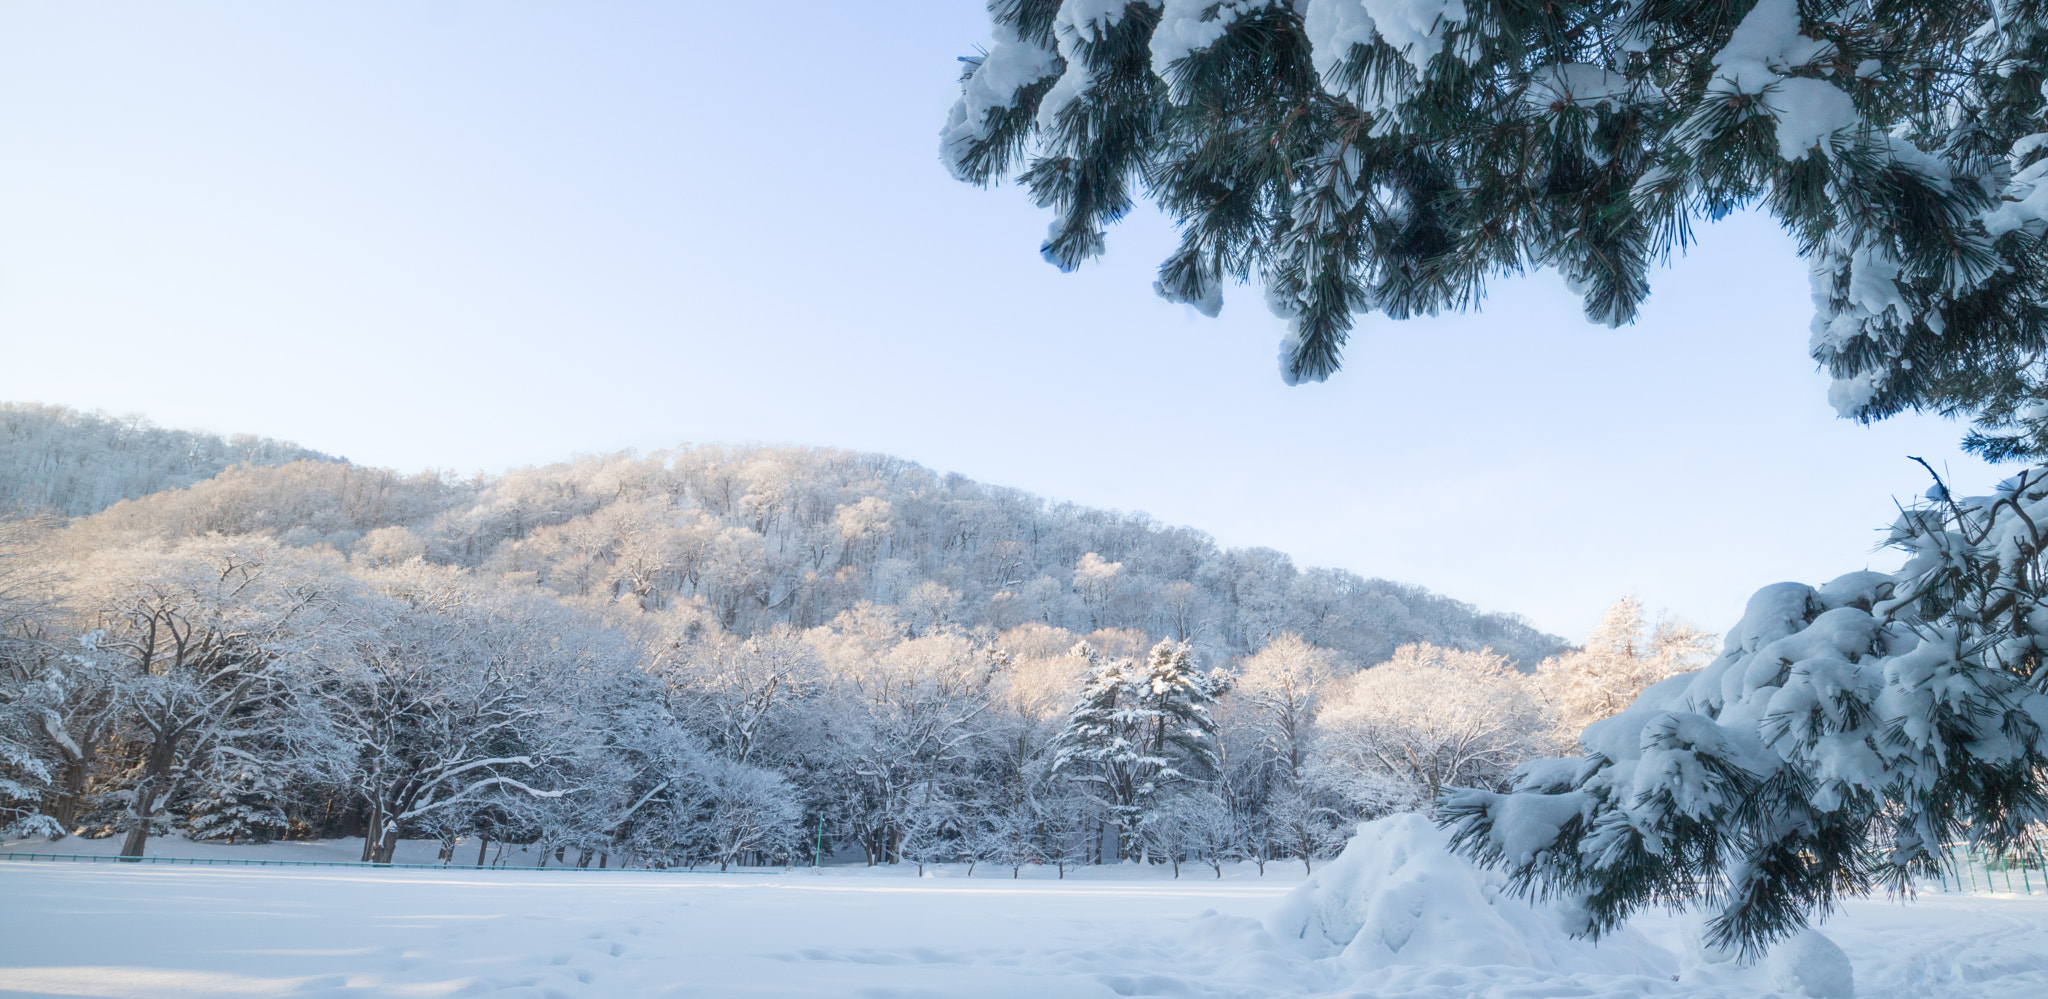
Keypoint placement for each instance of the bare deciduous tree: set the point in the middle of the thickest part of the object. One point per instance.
(1433, 718)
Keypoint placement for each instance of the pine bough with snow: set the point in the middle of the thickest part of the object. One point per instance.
(1842, 738)
(1391, 156)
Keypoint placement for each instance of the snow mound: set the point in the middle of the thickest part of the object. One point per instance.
(1398, 896)
(1811, 965)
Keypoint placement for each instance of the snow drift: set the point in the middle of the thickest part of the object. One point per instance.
(1397, 895)
(1399, 913)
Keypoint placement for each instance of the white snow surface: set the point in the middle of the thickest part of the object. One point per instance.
(1394, 916)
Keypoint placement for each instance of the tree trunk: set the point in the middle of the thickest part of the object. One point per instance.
(387, 843)
(373, 826)
(149, 791)
(131, 848)
(70, 801)
(483, 842)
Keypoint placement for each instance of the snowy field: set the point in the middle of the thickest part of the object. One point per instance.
(175, 931)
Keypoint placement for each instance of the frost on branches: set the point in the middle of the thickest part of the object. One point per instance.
(1844, 735)
(1621, 658)
(1392, 156)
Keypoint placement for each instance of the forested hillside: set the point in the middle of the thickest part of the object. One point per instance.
(696, 655)
(759, 537)
(73, 463)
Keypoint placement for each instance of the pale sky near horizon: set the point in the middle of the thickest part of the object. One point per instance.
(476, 235)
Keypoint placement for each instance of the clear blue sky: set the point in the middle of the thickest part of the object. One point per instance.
(478, 234)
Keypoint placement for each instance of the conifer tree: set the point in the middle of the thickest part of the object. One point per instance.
(1393, 156)
(1137, 730)
(238, 806)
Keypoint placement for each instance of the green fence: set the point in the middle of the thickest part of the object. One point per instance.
(1975, 870)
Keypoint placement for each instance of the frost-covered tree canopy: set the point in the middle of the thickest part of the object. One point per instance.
(1392, 156)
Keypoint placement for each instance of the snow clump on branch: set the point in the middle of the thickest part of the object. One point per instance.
(1845, 734)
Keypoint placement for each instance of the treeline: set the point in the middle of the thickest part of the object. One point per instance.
(238, 688)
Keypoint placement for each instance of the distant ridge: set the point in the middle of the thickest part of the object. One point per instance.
(62, 460)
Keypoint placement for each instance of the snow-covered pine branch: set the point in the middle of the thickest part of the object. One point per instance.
(1845, 734)
(1392, 157)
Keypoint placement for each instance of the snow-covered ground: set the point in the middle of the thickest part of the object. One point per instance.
(175, 931)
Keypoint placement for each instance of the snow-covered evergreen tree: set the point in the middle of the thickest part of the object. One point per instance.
(1393, 156)
(1843, 736)
(242, 804)
(1138, 729)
